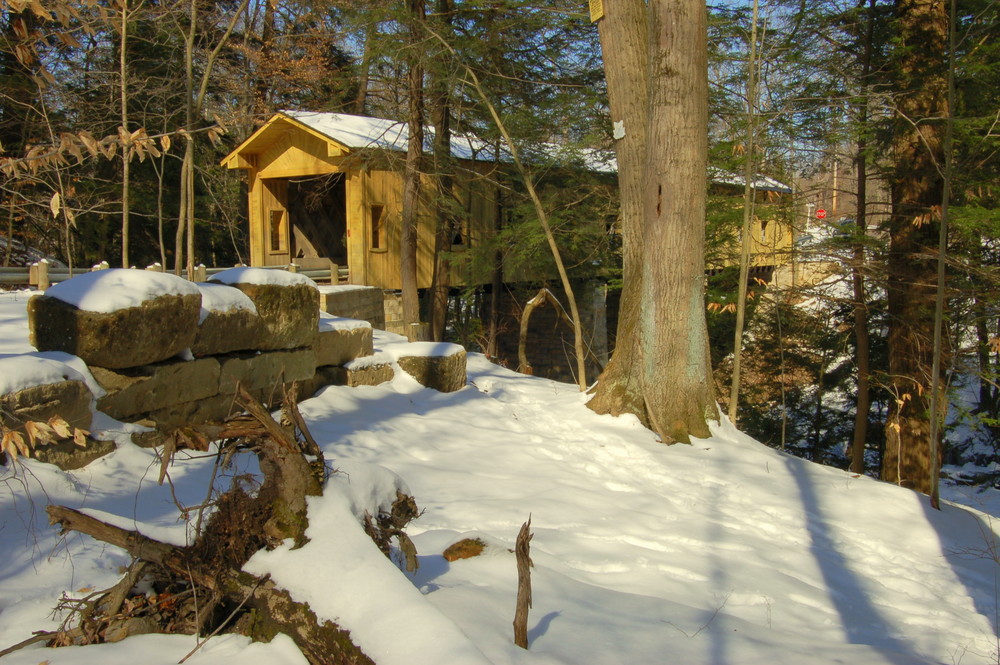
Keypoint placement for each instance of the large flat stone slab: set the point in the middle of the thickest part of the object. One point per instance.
(342, 340)
(287, 303)
(116, 318)
(136, 391)
(260, 371)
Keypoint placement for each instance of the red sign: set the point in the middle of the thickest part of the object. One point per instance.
(821, 214)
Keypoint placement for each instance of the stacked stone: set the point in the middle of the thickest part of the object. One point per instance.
(259, 335)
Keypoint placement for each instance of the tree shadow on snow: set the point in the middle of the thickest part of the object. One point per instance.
(861, 620)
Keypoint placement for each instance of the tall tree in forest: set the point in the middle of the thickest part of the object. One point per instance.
(920, 107)
(749, 173)
(443, 165)
(194, 104)
(624, 41)
(669, 375)
(412, 171)
(859, 242)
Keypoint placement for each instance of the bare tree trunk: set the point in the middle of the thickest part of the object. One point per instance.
(749, 171)
(411, 182)
(675, 368)
(624, 42)
(446, 223)
(522, 552)
(364, 74)
(126, 148)
(664, 375)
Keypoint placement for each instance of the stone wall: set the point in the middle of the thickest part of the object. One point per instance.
(286, 341)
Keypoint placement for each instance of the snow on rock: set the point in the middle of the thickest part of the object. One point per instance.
(390, 347)
(328, 322)
(261, 276)
(38, 369)
(222, 298)
(110, 290)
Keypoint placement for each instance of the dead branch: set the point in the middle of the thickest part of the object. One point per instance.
(524, 564)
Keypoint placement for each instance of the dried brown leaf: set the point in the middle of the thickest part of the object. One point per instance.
(39, 433)
(60, 427)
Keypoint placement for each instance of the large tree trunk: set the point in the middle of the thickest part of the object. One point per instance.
(623, 33)
(675, 364)
(921, 103)
(660, 369)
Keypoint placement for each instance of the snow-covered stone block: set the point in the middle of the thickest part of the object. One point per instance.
(287, 303)
(437, 366)
(341, 340)
(228, 321)
(116, 318)
(33, 388)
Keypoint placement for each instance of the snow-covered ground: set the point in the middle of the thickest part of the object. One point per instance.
(724, 551)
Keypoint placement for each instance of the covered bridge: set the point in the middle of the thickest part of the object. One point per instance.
(328, 187)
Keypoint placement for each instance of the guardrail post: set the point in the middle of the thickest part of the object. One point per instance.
(293, 267)
(200, 273)
(38, 275)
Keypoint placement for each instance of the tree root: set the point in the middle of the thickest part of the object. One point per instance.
(201, 588)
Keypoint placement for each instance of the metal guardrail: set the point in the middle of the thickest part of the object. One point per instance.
(42, 275)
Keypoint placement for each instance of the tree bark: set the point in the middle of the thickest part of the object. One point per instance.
(522, 552)
(675, 363)
(749, 171)
(127, 148)
(916, 194)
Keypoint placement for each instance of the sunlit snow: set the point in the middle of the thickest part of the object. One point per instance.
(723, 551)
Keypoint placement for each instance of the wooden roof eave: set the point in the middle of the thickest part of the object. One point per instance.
(266, 135)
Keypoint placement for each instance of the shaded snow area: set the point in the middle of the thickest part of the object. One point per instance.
(720, 552)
